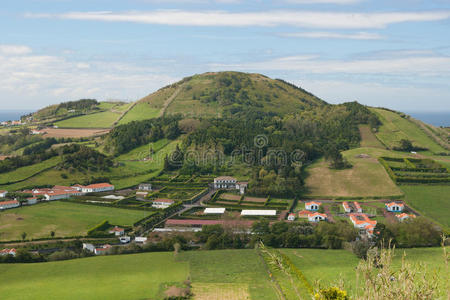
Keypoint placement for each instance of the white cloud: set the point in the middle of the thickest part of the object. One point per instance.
(44, 79)
(14, 50)
(399, 65)
(334, 35)
(308, 19)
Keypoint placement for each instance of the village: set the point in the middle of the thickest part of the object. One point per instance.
(223, 201)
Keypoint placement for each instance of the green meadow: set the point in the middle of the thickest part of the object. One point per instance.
(28, 171)
(97, 120)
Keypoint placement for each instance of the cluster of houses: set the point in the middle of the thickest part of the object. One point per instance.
(310, 212)
(7, 251)
(11, 123)
(105, 249)
(396, 207)
(230, 183)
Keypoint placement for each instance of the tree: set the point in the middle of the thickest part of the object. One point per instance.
(406, 145)
(52, 234)
(24, 236)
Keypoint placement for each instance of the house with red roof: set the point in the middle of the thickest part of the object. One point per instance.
(117, 231)
(103, 250)
(317, 217)
(162, 203)
(3, 193)
(395, 206)
(7, 251)
(9, 204)
(291, 217)
(402, 217)
(346, 207)
(312, 205)
(358, 208)
(97, 188)
(363, 222)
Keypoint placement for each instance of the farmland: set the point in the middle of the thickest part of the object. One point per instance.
(97, 120)
(64, 218)
(28, 171)
(140, 111)
(431, 200)
(366, 178)
(238, 274)
(73, 133)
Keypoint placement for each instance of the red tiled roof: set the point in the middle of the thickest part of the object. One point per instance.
(313, 202)
(3, 191)
(7, 251)
(394, 203)
(361, 219)
(224, 178)
(117, 229)
(9, 202)
(98, 185)
(317, 214)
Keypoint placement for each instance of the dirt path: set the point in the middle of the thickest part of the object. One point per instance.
(170, 99)
(124, 113)
(329, 214)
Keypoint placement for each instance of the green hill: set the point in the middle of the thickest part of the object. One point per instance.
(219, 94)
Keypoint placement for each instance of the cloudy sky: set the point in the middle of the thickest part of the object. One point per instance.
(391, 53)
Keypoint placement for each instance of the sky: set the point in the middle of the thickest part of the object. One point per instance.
(386, 53)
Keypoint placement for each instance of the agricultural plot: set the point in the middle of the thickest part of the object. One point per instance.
(28, 171)
(396, 128)
(97, 120)
(73, 133)
(236, 201)
(140, 111)
(64, 218)
(368, 138)
(415, 171)
(367, 177)
(145, 276)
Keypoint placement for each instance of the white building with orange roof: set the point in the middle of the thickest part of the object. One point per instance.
(7, 251)
(346, 207)
(117, 231)
(9, 204)
(312, 205)
(317, 217)
(97, 188)
(357, 207)
(403, 216)
(291, 217)
(395, 206)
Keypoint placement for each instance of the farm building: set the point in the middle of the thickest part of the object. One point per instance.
(140, 239)
(401, 217)
(312, 205)
(102, 250)
(32, 200)
(3, 193)
(145, 187)
(346, 207)
(214, 210)
(9, 204)
(55, 193)
(317, 217)
(291, 217)
(117, 231)
(97, 188)
(162, 203)
(258, 212)
(394, 207)
(7, 251)
(358, 208)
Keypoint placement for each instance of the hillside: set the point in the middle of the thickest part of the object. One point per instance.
(220, 94)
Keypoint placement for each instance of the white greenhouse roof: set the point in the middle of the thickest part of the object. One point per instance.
(214, 210)
(258, 212)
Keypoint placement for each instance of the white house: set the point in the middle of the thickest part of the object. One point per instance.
(32, 200)
(9, 204)
(225, 182)
(7, 251)
(258, 212)
(125, 239)
(401, 217)
(162, 203)
(395, 207)
(145, 187)
(347, 207)
(362, 221)
(140, 239)
(291, 217)
(316, 217)
(241, 186)
(97, 188)
(357, 207)
(89, 247)
(312, 205)
(117, 231)
(3, 193)
(214, 210)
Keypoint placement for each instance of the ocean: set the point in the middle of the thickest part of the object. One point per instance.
(11, 115)
(433, 118)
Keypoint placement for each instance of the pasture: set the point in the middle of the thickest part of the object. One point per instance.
(140, 111)
(368, 138)
(28, 171)
(433, 201)
(366, 178)
(73, 133)
(395, 128)
(64, 218)
(97, 120)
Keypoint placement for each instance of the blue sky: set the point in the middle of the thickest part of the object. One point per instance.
(394, 54)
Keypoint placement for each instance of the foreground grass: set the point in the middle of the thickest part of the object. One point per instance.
(327, 267)
(137, 276)
(431, 200)
(98, 120)
(64, 218)
(366, 178)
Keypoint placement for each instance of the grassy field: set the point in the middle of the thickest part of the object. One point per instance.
(431, 200)
(141, 111)
(138, 276)
(28, 171)
(366, 178)
(327, 267)
(241, 271)
(98, 120)
(368, 138)
(395, 128)
(66, 219)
